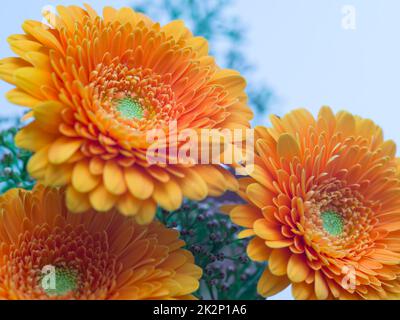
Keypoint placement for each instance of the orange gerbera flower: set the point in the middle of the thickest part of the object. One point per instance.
(97, 85)
(324, 207)
(92, 255)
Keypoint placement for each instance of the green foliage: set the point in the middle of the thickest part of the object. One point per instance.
(13, 163)
(228, 274)
(226, 34)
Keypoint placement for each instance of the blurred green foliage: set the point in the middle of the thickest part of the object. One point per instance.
(224, 31)
(228, 274)
(13, 162)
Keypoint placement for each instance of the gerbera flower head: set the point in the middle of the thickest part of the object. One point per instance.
(47, 252)
(323, 207)
(97, 85)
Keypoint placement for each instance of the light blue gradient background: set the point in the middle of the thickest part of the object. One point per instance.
(301, 51)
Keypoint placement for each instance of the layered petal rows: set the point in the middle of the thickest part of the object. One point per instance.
(323, 207)
(94, 256)
(96, 85)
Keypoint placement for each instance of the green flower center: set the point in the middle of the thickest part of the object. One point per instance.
(66, 281)
(332, 222)
(130, 108)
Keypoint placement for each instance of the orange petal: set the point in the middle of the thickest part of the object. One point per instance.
(32, 79)
(43, 35)
(126, 15)
(8, 67)
(146, 212)
(21, 98)
(389, 148)
(269, 284)
(139, 183)
(168, 195)
(38, 163)
(199, 45)
(279, 244)
(246, 234)
(287, 146)
(320, 286)
(259, 195)
(278, 261)
(188, 284)
(346, 123)
(214, 179)
(48, 115)
(63, 149)
(38, 59)
(176, 29)
(76, 202)
(33, 138)
(267, 231)
(297, 269)
(101, 199)
(58, 175)
(233, 82)
(326, 113)
(193, 185)
(245, 215)
(22, 43)
(257, 250)
(96, 166)
(128, 205)
(82, 180)
(302, 291)
(113, 177)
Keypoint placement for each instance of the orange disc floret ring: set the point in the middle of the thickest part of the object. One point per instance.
(96, 85)
(324, 207)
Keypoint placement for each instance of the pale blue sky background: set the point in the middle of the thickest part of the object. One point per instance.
(301, 51)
